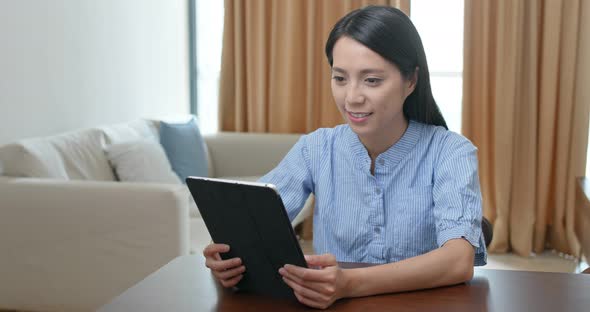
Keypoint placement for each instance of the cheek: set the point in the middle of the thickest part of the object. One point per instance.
(392, 98)
(338, 95)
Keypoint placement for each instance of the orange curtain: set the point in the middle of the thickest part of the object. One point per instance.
(274, 74)
(521, 110)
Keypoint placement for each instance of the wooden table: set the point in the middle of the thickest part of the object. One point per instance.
(185, 284)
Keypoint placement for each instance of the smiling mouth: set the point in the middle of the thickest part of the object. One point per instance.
(358, 118)
(359, 115)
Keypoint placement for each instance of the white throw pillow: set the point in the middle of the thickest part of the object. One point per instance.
(141, 161)
(145, 161)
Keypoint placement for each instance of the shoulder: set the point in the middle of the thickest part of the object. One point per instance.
(325, 137)
(445, 143)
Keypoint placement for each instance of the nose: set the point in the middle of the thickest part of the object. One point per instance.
(354, 95)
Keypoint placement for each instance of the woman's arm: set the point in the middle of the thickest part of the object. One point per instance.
(293, 178)
(448, 265)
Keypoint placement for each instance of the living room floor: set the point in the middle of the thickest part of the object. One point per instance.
(548, 261)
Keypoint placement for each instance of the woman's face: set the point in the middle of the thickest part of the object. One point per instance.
(368, 90)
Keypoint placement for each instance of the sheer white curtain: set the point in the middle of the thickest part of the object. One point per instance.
(209, 39)
(440, 24)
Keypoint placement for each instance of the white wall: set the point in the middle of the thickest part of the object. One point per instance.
(66, 64)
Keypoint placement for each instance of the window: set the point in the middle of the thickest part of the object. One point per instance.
(440, 24)
(209, 38)
(588, 157)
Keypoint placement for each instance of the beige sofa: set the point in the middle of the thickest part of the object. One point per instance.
(72, 237)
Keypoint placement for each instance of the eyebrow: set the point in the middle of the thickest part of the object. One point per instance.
(364, 71)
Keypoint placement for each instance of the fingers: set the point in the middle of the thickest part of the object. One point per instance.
(308, 296)
(222, 265)
(231, 282)
(310, 275)
(314, 288)
(229, 274)
(213, 249)
(311, 303)
(313, 285)
(304, 291)
(321, 260)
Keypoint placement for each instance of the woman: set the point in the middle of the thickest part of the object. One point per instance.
(393, 186)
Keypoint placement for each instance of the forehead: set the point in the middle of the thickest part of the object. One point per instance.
(351, 55)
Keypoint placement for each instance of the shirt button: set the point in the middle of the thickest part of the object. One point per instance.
(378, 190)
(377, 230)
(381, 162)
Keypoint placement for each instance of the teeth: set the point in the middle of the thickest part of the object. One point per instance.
(360, 115)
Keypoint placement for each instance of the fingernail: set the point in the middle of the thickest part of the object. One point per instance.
(281, 271)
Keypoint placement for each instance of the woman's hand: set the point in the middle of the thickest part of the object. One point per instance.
(228, 272)
(317, 288)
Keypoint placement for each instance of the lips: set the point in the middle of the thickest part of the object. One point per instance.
(358, 116)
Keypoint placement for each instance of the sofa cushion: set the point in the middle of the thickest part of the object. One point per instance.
(131, 131)
(19, 161)
(141, 161)
(145, 161)
(76, 155)
(185, 148)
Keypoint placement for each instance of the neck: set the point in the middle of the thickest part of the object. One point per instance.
(379, 143)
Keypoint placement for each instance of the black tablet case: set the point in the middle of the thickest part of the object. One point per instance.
(253, 221)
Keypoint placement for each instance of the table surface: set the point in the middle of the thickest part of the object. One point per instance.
(185, 284)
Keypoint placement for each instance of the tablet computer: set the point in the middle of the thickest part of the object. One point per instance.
(251, 218)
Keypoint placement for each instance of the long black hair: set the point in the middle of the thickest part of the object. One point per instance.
(390, 33)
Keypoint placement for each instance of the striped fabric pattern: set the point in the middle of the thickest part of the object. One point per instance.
(424, 191)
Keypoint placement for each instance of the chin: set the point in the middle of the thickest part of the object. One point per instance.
(361, 130)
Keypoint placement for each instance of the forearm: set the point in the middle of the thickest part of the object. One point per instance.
(448, 265)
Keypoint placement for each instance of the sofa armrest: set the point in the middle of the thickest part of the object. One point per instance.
(235, 154)
(59, 236)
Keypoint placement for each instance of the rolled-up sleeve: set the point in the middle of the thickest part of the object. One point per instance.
(457, 196)
(293, 178)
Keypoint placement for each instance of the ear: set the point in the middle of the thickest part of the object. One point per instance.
(412, 82)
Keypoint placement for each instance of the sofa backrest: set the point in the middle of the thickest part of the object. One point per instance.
(237, 154)
(131, 131)
(75, 155)
(146, 129)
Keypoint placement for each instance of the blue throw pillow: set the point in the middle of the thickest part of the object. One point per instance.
(185, 148)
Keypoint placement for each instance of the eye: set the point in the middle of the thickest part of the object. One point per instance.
(339, 79)
(373, 81)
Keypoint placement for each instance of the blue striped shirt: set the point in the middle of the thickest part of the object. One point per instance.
(424, 192)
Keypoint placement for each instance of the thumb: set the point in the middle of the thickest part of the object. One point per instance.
(321, 260)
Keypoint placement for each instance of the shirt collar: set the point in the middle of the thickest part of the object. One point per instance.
(392, 156)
